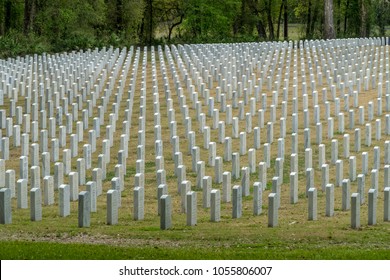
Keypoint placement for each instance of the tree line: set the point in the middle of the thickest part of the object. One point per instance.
(34, 26)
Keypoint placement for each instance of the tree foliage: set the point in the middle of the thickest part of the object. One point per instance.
(54, 25)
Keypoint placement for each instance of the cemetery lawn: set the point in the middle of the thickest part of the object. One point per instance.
(23, 250)
(248, 237)
(205, 241)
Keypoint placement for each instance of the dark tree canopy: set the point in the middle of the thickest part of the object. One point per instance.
(28, 26)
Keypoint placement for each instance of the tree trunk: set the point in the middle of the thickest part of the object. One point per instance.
(173, 26)
(328, 24)
(338, 24)
(29, 14)
(7, 15)
(383, 10)
(308, 22)
(240, 21)
(279, 21)
(119, 15)
(1, 18)
(253, 5)
(314, 20)
(147, 28)
(261, 30)
(346, 18)
(150, 21)
(269, 19)
(363, 18)
(285, 19)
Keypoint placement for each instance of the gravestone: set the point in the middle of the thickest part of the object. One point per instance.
(207, 182)
(97, 177)
(36, 204)
(21, 191)
(361, 187)
(293, 187)
(257, 198)
(35, 177)
(226, 186)
(91, 188)
(48, 190)
(5, 206)
(185, 187)
(236, 166)
(345, 198)
(329, 190)
(115, 185)
(84, 209)
(312, 211)
(191, 203)
(355, 211)
(23, 168)
(218, 170)
(272, 210)
(252, 160)
(10, 181)
(339, 173)
(263, 174)
(245, 177)
(386, 205)
(375, 180)
(372, 206)
(139, 198)
(166, 212)
(212, 153)
(161, 190)
(181, 176)
(74, 185)
(352, 168)
(215, 213)
(309, 179)
(276, 188)
(64, 200)
(308, 158)
(227, 155)
(237, 202)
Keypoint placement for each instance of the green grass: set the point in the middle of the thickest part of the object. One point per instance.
(48, 250)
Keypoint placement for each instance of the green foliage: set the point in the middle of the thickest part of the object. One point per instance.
(55, 26)
(16, 44)
(209, 20)
(271, 250)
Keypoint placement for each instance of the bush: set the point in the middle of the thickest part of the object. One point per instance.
(75, 42)
(17, 44)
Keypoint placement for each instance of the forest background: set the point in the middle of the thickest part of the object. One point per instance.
(37, 26)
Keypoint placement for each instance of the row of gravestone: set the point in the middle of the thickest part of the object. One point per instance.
(252, 82)
(67, 192)
(79, 137)
(189, 204)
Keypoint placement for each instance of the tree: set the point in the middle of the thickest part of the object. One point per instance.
(29, 15)
(382, 15)
(147, 24)
(170, 14)
(285, 20)
(338, 24)
(279, 20)
(308, 22)
(283, 11)
(363, 17)
(329, 26)
(268, 10)
(210, 20)
(10, 16)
